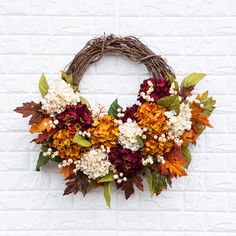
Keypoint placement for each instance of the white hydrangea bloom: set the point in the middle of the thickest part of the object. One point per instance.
(179, 123)
(94, 163)
(128, 132)
(60, 94)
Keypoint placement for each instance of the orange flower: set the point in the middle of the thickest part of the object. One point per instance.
(104, 132)
(153, 146)
(152, 117)
(62, 141)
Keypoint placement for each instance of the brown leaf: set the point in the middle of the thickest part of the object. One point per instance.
(45, 136)
(186, 92)
(77, 183)
(138, 181)
(128, 187)
(31, 109)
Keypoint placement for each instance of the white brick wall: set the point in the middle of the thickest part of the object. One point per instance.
(196, 35)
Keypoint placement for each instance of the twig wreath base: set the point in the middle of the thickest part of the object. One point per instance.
(94, 148)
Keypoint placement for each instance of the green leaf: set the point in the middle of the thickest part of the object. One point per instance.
(192, 79)
(42, 161)
(208, 102)
(69, 80)
(187, 156)
(172, 79)
(148, 175)
(140, 141)
(107, 178)
(113, 108)
(43, 85)
(107, 193)
(170, 102)
(84, 101)
(81, 141)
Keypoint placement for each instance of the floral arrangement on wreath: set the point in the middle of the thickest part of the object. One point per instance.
(148, 139)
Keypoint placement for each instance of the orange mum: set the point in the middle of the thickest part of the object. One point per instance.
(104, 132)
(152, 117)
(62, 141)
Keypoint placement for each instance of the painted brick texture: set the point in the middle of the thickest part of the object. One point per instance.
(42, 36)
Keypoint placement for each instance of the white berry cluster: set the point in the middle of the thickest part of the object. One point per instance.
(128, 132)
(179, 123)
(160, 159)
(85, 134)
(58, 97)
(52, 124)
(146, 96)
(101, 111)
(172, 90)
(147, 160)
(65, 163)
(94, 163)
(50, 153)
(119, 177)
(192, 99)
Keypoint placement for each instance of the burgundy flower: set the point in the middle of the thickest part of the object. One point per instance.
(129, 113)
(75, 115)
(125, 161)
(161, 88)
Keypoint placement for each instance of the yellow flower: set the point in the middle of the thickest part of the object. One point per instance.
(152, 117)
(104, 132)
(62, 141)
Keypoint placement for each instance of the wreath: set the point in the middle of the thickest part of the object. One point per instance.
(94, 148)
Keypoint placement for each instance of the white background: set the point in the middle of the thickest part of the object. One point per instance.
(194, 36)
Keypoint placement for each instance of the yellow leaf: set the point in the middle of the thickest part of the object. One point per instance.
(175, 168)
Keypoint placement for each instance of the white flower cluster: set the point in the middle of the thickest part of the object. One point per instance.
(94, 163)
(85, 134)
(128, 133)
(179, 123)
(58, 97)
(146, 96)
(172, 90)
(147, 160)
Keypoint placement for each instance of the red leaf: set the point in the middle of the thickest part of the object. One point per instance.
(128, 187)
(45, 136)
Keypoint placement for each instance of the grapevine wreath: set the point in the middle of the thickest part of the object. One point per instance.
(148, 139)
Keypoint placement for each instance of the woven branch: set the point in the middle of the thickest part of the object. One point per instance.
(129, 46)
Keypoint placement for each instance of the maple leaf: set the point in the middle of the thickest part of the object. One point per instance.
(67, 171)
(45, 136)
(174, 163)
(128, 187)
(176, 168)
(138, 182)
(43, 125)
(31, 109)
(77, 183)
(189, 137)
(199, 117)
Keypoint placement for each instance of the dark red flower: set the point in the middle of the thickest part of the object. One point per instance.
(125, 161)
(161, 88)
(129, 113)
(75, 115)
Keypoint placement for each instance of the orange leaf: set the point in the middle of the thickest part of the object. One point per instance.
(175, 168)
(197, 116)
(67, 170)
(189, 137)
(43, 125)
